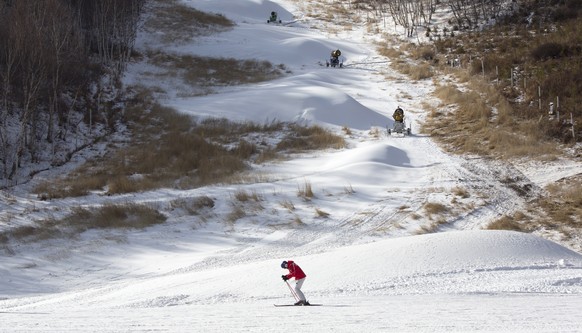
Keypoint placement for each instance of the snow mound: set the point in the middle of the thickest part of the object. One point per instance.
(299, 100)
(479, 249)
(479, 261)
(451, 262)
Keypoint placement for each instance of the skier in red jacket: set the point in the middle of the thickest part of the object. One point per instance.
(295, 272)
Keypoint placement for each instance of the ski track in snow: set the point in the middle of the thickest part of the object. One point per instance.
(371, 263)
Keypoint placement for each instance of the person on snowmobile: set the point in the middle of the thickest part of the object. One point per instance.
(398, 115)
(295, 272)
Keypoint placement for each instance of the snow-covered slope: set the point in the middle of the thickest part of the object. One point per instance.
(381, 261)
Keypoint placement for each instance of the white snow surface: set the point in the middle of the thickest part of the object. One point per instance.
(380, 262)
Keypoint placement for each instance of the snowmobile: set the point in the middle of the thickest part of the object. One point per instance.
(334, 60)
(273, 18)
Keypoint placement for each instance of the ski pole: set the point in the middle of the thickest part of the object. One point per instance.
(292, 291)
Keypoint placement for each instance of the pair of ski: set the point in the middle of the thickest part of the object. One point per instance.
(279, 305)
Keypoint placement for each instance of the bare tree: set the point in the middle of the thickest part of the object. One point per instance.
(114, 24)
(32, 73)
(64, 45)
(8, 64)
(405, 13)
(45, 68)
(468, 13)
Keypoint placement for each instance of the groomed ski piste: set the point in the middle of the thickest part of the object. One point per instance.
(377, 262)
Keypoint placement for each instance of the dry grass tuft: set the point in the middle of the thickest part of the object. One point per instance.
(432, 208)
(415, 72)
(348, 189)
(236, 214)
(461, 192)
(193, 206)
(244, 196)
(287, 205)
(305, 191)
(347, 130)
(506, 223)
(321, 213)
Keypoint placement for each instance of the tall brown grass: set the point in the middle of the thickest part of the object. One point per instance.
(310, 138)
(176, 22)
(506, 223)
(170, 149)
(109, 216)
(200, 72)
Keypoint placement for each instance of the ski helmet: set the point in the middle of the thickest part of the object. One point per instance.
(284, 264)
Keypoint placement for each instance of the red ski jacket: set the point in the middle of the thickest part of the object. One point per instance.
(294, 271)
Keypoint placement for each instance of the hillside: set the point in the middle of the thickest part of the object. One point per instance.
(389, 229)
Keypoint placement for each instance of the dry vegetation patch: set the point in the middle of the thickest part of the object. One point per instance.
(176, 22)
(310, 138)
(169, 149)
(507, 72)
(203, 73)
(109, 216)
(506, 223)
(559, 209)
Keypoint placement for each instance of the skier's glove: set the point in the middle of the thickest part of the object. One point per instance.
(285, 278)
